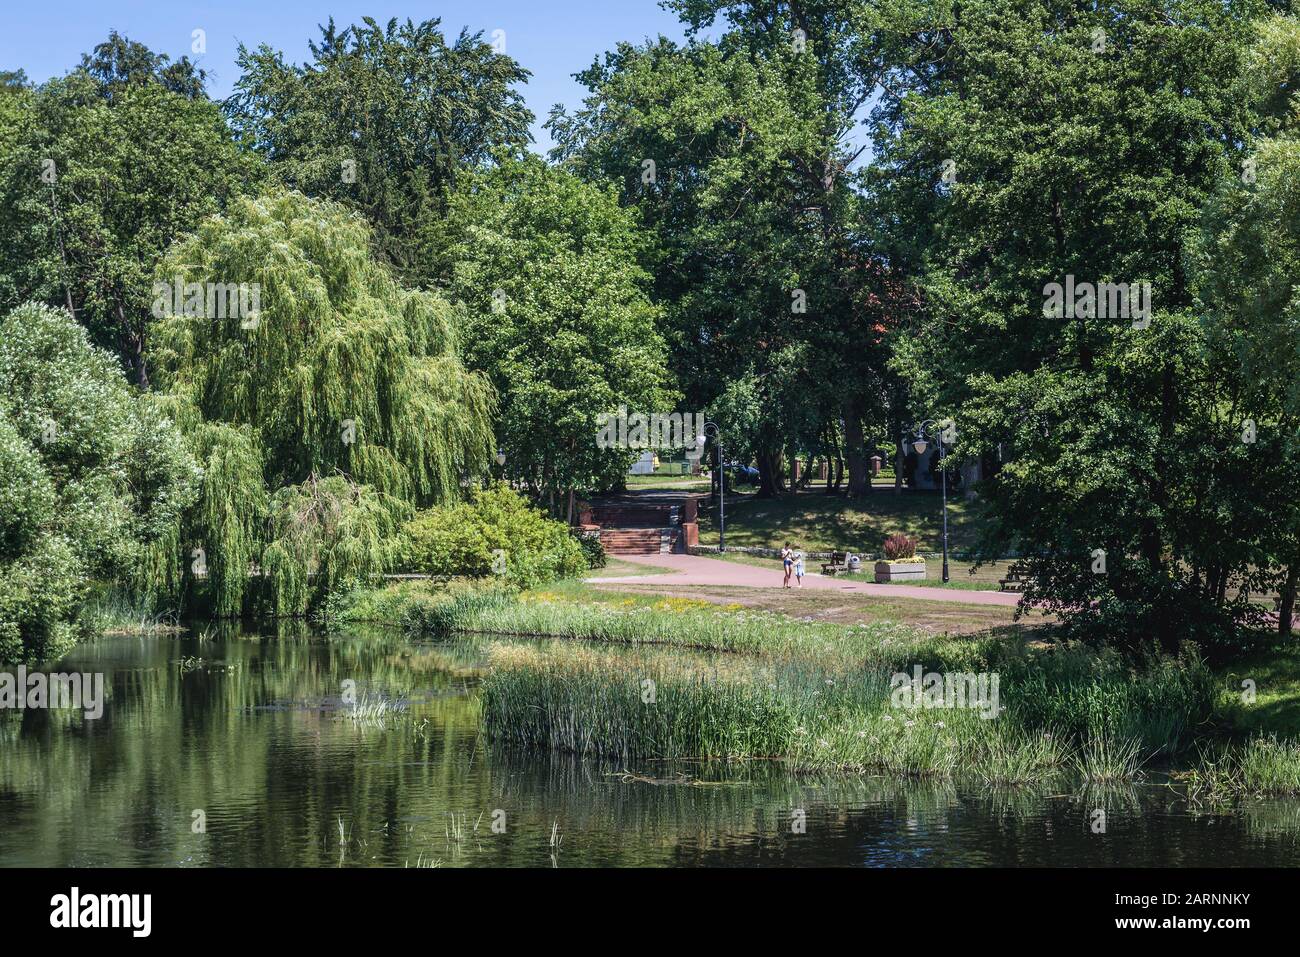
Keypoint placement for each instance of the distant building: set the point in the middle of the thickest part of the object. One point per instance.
(645, 465)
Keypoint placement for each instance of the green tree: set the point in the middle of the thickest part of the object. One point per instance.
(339, 372)
(95, 480)
(383, 118)
(103, 169)
(1246, 263)
(761, 258)
(558, 318)
(1050, 144)
(119, 63)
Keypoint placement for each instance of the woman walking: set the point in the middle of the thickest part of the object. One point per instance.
(798, 566)
(787, 561)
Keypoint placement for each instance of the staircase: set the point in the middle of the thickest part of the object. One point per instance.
(654, 523)
(638, 541)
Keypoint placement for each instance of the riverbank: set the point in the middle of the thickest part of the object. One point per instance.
(570, 669)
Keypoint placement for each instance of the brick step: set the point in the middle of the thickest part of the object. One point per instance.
(637, 541)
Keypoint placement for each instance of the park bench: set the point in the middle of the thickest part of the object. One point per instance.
(1017, 577)
(839, 563)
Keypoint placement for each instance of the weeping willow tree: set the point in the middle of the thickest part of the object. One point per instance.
(326, 534)
(324, 399)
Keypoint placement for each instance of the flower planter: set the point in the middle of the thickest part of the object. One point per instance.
(899, 571)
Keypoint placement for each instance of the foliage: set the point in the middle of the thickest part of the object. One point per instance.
(119, 63)
(496, 533)
(763, 251)
(559, 320)
(327, 535)
(409, 110)
(95, 480)
(593, 549)
(1120, 474)
(1246, 257)
(899, 546)
(138, 157)
(342, 378)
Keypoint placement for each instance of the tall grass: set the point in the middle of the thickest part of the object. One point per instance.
(814, 694)
(114, 610)
(575, 700)
(1100, 698)
(1264, 765)
(651, 705)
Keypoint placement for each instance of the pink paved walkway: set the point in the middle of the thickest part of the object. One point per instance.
(695, 570)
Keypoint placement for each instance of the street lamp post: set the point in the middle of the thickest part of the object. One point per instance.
(921, 443)
(722, 481)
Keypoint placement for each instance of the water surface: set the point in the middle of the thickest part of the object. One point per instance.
(251, 729)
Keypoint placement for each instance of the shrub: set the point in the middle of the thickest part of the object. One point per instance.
(93, 482)
(899, 547)
(497, 533)
(594, 550)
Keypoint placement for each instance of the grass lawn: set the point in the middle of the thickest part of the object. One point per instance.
(615, 568)
(843, 608)
(1276, 708)
(818, 522)
(688, 482)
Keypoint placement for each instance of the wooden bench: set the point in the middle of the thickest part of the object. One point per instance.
(1017, 577)
(839, 563)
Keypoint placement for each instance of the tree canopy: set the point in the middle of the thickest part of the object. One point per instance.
(384, 118)
(95, 481)
(104, 169)
(341, 371)
(558, 318)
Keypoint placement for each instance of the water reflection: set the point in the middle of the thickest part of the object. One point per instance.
(251, 730)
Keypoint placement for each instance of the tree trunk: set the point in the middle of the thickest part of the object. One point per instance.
(805, 478)
(133, 348)
(1286, 608)
(834, 464)
(63, 254)
(771, 482)
(897, 402)
(855, 449)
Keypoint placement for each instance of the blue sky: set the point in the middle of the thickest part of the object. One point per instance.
(552, 38)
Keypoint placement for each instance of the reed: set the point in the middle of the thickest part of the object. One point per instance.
(1263, 765)
(571, 699)
(636, 706)
(813, 694)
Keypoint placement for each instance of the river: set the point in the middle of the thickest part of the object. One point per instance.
(236, 748)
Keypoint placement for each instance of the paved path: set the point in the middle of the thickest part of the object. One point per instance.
(694, 570)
